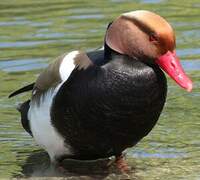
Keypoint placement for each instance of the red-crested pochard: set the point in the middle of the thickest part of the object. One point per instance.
(90, 105)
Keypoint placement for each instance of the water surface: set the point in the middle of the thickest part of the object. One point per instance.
(34, 32)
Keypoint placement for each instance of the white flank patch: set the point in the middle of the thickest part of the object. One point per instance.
(67, 65)
(101, 48)
(43, 131)
(39, 115)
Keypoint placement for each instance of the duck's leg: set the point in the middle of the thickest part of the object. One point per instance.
(56, 164)
(121, 164)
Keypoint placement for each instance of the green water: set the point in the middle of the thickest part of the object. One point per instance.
(33, 32)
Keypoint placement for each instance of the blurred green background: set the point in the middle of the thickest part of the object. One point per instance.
(34, 32)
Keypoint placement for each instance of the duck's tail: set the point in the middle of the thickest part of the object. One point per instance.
(22, 90)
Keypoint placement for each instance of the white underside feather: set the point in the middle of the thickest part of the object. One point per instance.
(39, 115)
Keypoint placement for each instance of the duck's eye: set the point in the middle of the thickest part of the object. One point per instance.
(153, 38)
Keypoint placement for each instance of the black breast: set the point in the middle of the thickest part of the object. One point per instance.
(103, 110)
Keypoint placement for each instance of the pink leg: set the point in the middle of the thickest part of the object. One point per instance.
(121, 164)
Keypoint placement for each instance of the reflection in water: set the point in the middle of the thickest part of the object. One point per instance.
(32, 33)
(191, 65)
(38, 165)
(158, 155)
(22, 64)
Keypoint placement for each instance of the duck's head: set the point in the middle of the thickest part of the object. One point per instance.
(148, 37)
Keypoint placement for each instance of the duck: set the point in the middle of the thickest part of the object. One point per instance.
(96, 104)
